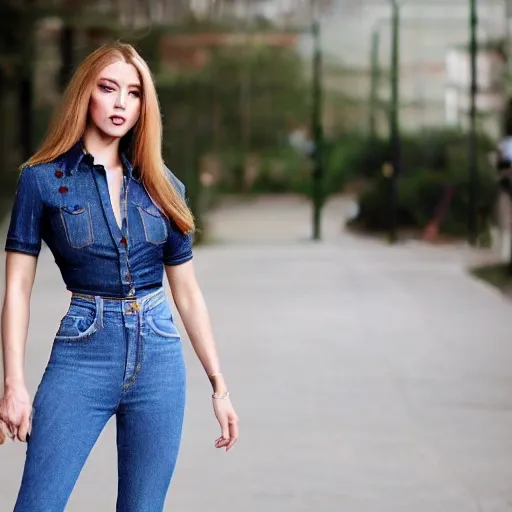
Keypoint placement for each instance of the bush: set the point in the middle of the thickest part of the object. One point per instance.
(432, 162)
(279, 171)
(418, 197)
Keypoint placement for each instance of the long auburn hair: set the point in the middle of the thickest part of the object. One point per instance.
(144, 140)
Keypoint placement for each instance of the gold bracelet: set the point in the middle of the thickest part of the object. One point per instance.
(224, 395)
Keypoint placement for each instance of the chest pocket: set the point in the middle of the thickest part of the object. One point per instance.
(155, 229)
(78, 226)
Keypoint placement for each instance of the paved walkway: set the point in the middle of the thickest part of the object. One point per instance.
(368, 378)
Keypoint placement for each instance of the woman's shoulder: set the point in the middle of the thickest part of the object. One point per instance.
(42, 176)
(42, 168)
(60, 165)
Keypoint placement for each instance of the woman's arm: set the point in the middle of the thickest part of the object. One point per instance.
(192, 308)
(15, 408)
(193, 311)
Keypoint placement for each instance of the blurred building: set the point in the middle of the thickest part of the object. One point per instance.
(434, 61)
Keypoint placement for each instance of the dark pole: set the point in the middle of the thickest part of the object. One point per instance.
(26, 87)
(472, 153)
(394, 129)
(318, 169)
(507, 125)
(374, 85)
(67, 55)
(195, 147)
(25, 96)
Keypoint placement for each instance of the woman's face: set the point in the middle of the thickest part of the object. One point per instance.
(116, 99)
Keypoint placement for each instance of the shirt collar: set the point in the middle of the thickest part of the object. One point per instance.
(77, 154)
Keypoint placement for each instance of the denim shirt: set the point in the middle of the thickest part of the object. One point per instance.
(66, 203)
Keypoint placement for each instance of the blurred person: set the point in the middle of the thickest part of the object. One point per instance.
(504, 195)
(99, 195)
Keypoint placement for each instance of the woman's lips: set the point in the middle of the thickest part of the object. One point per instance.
(117, 120)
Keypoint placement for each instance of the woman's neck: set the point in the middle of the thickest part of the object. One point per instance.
(104, 149)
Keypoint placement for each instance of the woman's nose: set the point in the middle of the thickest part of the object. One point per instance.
(121, 100)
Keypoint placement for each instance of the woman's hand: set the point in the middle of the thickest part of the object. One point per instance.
(228, 421)
(16, 412)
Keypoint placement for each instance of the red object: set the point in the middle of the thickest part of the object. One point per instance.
(59, 173)
(431, 232)
(123, 241)
(63, 189)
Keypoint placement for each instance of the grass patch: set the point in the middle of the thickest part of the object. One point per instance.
(498, 275)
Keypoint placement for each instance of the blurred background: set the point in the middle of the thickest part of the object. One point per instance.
(371, 371)
(399, 102)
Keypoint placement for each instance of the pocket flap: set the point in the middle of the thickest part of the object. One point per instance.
(151, 209)
(74, 210)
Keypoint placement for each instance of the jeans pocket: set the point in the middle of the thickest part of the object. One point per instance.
(78, 324)
(155, 229)
(78, 226)
(163, 327)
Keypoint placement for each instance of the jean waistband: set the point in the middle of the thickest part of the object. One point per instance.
(146, 301)
(104, 297)
(132, 298)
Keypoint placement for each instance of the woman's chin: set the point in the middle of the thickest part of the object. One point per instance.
(114, 131)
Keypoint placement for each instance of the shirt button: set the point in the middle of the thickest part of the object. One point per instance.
(123, 241)
(131, 293)
(127, 276)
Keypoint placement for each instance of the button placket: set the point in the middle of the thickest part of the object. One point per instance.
(120, 234)
(125, 231)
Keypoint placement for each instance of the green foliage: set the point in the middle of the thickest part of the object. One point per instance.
(242, 102)
(432, 162)
(280, 170)
(245, 98)
(498, 275)
(353, 155)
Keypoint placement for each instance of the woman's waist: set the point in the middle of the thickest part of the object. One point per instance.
(114, 293)
(141, 299)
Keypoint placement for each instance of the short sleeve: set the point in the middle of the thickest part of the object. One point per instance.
(24, 233)
(178, 247)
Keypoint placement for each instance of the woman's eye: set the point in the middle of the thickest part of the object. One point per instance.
(106, 88)
(135, 93)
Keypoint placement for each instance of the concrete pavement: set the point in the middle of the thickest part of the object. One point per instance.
(367, 378)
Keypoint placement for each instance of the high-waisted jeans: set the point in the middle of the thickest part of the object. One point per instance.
(110, 357)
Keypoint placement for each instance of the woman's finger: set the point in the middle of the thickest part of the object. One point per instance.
(12, 431)
(9, 432)
(233, 433)
(223, 440)
(24, 426)
(30, 421)
(225, 428)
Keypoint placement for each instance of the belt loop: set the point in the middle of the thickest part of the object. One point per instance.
(98, 300)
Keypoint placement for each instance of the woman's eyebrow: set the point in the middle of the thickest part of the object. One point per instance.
(116, 83)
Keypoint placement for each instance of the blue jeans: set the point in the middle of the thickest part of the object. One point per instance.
(110, 356)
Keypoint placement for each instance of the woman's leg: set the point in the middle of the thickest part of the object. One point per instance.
(79, 392)
(149, 424)
(67, 420)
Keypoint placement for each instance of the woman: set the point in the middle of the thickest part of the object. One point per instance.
(99, 195)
